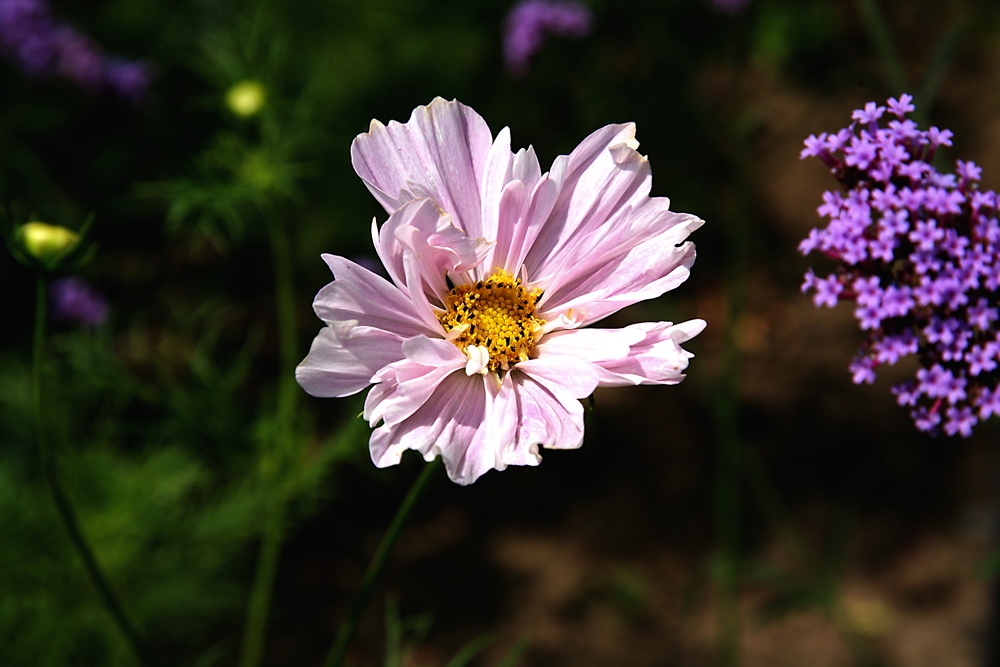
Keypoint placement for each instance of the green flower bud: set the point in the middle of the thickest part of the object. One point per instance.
(246, 98)
(47, 243)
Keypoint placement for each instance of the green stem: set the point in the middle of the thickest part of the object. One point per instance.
(63, 506)
(272, 534)
(727, 517)
(281, 253)
(729, 452)
(770, 503)
(878, 32)
(263, 585)
(346, 631)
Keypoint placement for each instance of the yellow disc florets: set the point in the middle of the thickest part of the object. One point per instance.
(497, 313)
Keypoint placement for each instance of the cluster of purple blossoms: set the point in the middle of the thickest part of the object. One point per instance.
(43, 46)
(73, 300)
(919, 254)
(729, 6)
(530, 21)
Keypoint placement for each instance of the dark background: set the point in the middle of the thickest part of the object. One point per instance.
(602, 556)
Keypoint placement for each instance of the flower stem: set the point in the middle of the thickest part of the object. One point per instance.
(285, 442)
(63, 506)
(728, 453)
(878, 32)
(991, 654)
(346, 631)
(727, 517)
(263, 585)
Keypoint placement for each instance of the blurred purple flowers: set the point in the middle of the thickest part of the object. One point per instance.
(73, 300)
(42, 46)
(919, 254)
(729, 6)
(530, 21)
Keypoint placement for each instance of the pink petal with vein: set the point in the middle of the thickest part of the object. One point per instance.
(439, 153)
(369, 299)
(344, 357)
(547, 414)
(657, 359)
(407, 384)
(441, 249)
(453, 423)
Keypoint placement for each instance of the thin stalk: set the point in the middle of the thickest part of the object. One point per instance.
(281, 254)
(727, 518)
(335, 658)
(878, 32)
(272, 534)
(991, 654)
(769, 501)
(63, 506)
(263, 585)
(729, 453)
(938, 67)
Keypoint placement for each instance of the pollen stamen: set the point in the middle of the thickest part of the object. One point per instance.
(495, 314)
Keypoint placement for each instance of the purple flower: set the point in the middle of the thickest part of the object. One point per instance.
(902, 106)
(862, 370)
(42, 46)
(960, 421)
(988, 402)
(920, 251)
(73, 300)
(128, 78)
(827, 291)
(870, 114)
(475, 344)
(531, 21)
(729, 6)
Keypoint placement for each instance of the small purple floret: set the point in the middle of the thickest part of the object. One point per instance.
(919, 253)
(531, 21)
(74, 300)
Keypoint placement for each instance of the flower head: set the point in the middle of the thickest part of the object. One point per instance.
(476, 344)
(918, 251)
(246, 98)
(530, 21)
(47, 243)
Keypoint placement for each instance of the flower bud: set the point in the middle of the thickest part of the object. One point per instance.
(246, 98)
(45, 242)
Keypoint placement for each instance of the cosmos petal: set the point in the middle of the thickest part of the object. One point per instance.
(439, 153)
(453, 423)
(344, 357)
(370, 300)
(657, 358)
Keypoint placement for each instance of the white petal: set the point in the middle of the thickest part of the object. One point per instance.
(479, 360)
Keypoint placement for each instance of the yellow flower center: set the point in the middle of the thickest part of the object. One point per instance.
(497, 313)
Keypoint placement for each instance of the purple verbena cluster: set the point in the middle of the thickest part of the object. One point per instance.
(919, 254)
(729, 6)
(74, 300)
(530, 21)
(43, 46)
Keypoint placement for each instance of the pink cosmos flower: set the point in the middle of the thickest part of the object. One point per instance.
(475, 345)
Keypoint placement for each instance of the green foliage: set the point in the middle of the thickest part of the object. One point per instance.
(404, 635)
(166, 423)
(169, 510)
